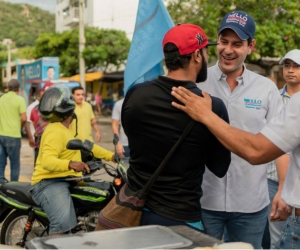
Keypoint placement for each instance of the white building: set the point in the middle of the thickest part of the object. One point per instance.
(107, 14)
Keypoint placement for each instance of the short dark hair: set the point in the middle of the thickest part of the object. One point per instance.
(249, 40)
(173, 59)
(13, 85)
(77, 88)
(50, 67)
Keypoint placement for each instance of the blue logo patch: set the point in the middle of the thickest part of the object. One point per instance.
(252, 103)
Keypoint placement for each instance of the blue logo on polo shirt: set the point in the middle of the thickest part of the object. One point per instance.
(252, 103)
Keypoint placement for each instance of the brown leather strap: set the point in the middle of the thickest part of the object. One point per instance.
(297, 211)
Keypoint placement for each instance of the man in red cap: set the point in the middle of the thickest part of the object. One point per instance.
(153, 126)
(38, 122)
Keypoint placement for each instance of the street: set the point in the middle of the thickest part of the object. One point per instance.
(27, 155)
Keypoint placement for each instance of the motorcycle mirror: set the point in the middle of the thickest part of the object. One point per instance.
(116, 139)
(75, 144)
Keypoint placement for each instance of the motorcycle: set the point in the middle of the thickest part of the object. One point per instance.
(23, 220)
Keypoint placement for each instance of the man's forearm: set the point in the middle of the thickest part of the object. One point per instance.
(115, 127)
(232, 138)
(28, 131)
(282, 164)
(95, 126)
(256, 149)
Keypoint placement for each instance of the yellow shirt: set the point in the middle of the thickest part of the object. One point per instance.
(11, 107)
(84, 115)
(53, 159)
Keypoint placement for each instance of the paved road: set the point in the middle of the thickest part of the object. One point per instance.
(27, 155)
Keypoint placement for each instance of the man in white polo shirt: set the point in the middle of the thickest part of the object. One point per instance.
(279, 136)
(291, 74)
(239, 201)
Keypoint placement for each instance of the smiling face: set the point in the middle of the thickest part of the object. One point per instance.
(291, 72)
(232, 52)
(78, 96)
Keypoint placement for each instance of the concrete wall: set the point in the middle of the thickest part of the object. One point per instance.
(115, 14)
(59, 16)
(107, 14)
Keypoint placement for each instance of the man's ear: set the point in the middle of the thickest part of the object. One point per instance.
(251, 46)
(197, 56)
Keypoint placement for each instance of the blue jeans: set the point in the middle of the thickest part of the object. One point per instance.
(290, 235)
(274, 227)
(55, 199)
(245, 227)
(126, 151)
(10, 147)
(151, 218)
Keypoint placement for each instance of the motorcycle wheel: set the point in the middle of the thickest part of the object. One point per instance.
(13, 228)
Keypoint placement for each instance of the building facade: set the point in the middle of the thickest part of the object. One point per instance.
(105, 14)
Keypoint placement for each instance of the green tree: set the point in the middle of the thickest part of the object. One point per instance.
(25, 53)
(277, 23)
(103, 48)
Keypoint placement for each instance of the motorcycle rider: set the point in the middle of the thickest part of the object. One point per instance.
(55, 161)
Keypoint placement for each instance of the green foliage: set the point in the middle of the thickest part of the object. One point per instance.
(25, 53)
(24, 27)
(103, 48)
(277, 22)
(22, 24)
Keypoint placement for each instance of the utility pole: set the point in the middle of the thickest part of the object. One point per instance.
(8, 42)
(81, 44)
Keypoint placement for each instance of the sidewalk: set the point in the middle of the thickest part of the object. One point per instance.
(105, 120)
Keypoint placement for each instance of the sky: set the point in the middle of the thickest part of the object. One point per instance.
(48, 5)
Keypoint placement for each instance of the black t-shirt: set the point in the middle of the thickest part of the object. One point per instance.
(153, 126)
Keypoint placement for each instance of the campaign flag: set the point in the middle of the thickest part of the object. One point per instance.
(146, 53)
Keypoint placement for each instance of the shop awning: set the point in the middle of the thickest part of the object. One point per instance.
(89, 77)
(113, 76)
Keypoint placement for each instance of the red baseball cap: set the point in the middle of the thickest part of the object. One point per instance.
(47, 85)
(187, 38)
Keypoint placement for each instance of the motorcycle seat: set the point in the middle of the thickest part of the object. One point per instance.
(18, 191)
(102, 185)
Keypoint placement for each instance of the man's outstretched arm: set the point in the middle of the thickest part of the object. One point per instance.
(256, 149)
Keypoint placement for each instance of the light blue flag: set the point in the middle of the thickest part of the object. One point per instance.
(146, 53)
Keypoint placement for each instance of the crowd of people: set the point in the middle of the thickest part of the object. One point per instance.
(236, 174)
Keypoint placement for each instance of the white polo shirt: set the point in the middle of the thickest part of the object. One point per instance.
(116, 115)
(250, 107)
(272, 170)
(284, 132)
(28, 113)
